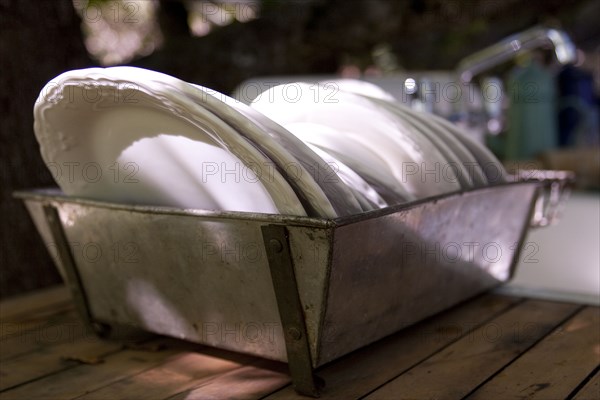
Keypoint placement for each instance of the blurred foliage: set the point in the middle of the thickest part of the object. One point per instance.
(222, 42)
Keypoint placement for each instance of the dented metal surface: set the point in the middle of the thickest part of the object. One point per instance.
(204, 276)
(392, 271)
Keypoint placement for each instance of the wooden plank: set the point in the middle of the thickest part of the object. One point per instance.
(61, 328)
(34, 320)
(591, 390)
(358, 373)
(38, 321)
(459, 368)
(32, 364)
(246, 383)
(51, 359)
(13, 309)
(181, 373)
(555, 366)
(78, 380)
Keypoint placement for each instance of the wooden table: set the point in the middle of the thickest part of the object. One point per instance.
(492, 347)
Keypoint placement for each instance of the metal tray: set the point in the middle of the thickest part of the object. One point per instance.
(296, 289)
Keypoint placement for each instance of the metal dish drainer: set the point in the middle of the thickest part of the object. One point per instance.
(295, 289)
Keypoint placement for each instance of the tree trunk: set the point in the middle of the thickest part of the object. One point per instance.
(38, 40)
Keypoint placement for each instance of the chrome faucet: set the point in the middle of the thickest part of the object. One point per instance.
(509, 47)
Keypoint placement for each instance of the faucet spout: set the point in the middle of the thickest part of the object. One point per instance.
(509, 47)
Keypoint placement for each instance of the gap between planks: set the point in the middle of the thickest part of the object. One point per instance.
(358, 373)
(555, 366)
(458, 369)
(590, 390)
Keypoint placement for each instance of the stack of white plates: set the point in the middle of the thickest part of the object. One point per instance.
(130, 135)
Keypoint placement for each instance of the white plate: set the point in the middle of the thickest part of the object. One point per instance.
(368, 197)
(313, 178)
(454, 169)
(414, 161)
(492, 168)
(471, 174)
(468, 160)
(475, 172)
(366, 163)
(130, 135)
(358, 87)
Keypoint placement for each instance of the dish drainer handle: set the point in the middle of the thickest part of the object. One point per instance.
(555, 189)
